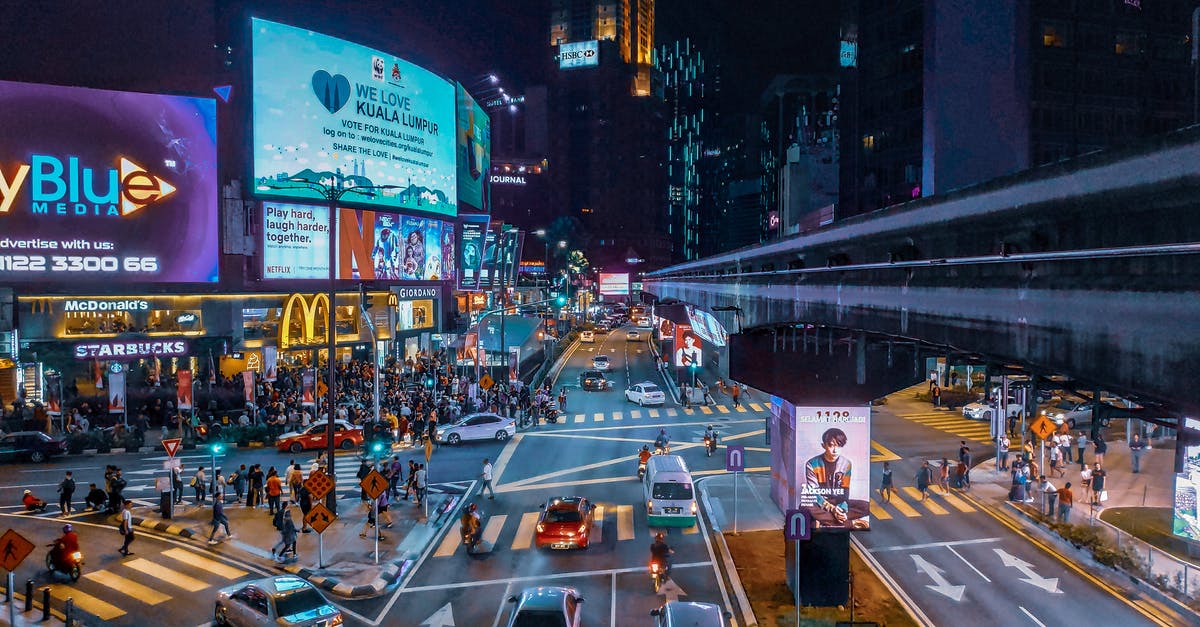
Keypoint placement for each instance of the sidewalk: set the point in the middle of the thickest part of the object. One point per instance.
(349, 569)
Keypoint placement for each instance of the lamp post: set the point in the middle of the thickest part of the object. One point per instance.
(331, 193)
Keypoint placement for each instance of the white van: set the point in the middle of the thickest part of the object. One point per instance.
(587, 337)
(670, 497)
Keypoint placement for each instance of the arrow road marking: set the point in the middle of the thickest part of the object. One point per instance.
(941, 586)
(444, 617)
(1049, 584)
(671, 591)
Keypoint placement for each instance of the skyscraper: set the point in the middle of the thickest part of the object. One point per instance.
(690, 91)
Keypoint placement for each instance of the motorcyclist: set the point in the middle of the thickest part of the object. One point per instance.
(64, 546)
(562, 399)
(470, 526)
(32, 502)
(710, 437)
(661, 553)
(662, 441)
(644, 456)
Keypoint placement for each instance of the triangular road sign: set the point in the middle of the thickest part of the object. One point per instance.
(171, 446)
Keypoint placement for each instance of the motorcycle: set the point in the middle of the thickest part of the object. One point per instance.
(70, 565)
(710, 445)
(662, 450)
(658, 573)
(641, 473)
(550, 412)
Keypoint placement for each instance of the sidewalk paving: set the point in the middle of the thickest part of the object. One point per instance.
(349, 568)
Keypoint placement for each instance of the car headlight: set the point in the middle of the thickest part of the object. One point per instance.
(541, 528)
(582, 528)
(693, 507)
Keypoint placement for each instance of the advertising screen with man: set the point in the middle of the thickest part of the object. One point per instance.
(834, 445)
(688, 349)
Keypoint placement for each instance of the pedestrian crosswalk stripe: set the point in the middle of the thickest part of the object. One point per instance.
(579, 418)
(688, 411)
(117, 583)
(491, 531)
(929, 504)
(958, 503)
(449, 545)
(723, 409)
(636, 413)
(163, 573)
(203, 563)
(100, 609)
(597, 535)
(671, 412)
(599, 417)
(938, 422)
(756, 407)
(654, 413)
(624, 522)
(705, 409)
(616, 415)
(525, 531)
(880, 513)
(904, 508)
(741, 409)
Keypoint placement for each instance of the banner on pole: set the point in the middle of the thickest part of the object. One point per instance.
(248, 385)
(183, 389)
(116, 392)
(307, 382)
(270, 360)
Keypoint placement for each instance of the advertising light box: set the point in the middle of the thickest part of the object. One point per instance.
(614, 284)
(474, 150)
(295, 241)
(579, 54)
(106, 186)
(823, 457)
(471, 243)
(327, 110)
(1186, 520)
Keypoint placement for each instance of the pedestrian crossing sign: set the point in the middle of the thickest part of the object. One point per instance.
(1042, 427)
(15, 549)
(486, 382)
(374, 484)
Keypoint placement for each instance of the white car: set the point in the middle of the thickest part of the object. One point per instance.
(278, 600)
(587, 337)
(600, 362)
(645, 393)
(981, 410)
(484, 426)
(632, 335)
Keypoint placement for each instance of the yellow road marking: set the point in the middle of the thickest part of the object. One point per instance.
(491, 531)
(654, 413)
(904, 508)
(525, 531)
(691, 530)
(958, 503)
(203, 563)
(86, 602)
(671, 412)
(885, 454)
(929, 504)
(741, 409)
(163, 573)
(616, 415)
(756, 407)
(932, 422)
(115, 582)
(449, 545)
(579, 418)
(878, 512)
(723, 409)
(505, 455)
(689, 412)
(705, 409)
(634, 413)
(597, 535)
(624, 522)
(599, 416)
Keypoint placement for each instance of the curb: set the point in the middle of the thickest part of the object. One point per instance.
(735, 582)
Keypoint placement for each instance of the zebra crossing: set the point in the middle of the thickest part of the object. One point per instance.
(135, 586)
(950, 422)
(651, 413)
(906, 503)
(518, 530)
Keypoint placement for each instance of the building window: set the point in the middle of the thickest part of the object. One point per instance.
(1128, 43)
(1054, 35)
(868, 142)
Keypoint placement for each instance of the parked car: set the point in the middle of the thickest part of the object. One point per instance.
(690, 614)
(645, 393)
(482, 426)
(345, 436)
(546, 606)
(34, 446)
(587, 337)
(982, 410)
(593, 380)
(1073, 413)
(600, 362)
(565, 522)
(278, 600)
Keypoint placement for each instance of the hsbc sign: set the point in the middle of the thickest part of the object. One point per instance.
(579, 54)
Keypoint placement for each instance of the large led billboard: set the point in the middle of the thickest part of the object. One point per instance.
(474, 149)
(579, 54)
(689, 350)
(614, 284)
(471, 244)
(106, 186)
(327, 110)
(372, 245)
(821, 461)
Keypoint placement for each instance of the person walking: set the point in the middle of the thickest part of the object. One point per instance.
(199, 482)
(254, 485)
(1080, 443)
(287, 534)
(238, 479)
(736, 393)
(411, 485)
(126, 528)
(486, 475)
(1098, 476)
(936, 395)
(924, 478)
(294, 477)
(1137, 448)
(1056, 464)
(218, 485)
(419, 484)
(66, 489)
(885, 483)
(395, 476)
(1049, 496)
(274, 490)
(1101, 447)
(1066, 499)
(944, 476)
(177, 485)
(1064, 443)
(1003, 451)
(219, 519)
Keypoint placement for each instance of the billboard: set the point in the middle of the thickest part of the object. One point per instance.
(1186, 519)
(579, 54)
(106, 186)
(614, 284)
(689, 351)
(474, 149)
(813, 466)
(330, 110)
(371, 245)
(490, 265)
(705, 325)
(471, 244)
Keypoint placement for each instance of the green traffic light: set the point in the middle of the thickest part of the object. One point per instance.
(217, 447)
(561, 300)
(377, 447)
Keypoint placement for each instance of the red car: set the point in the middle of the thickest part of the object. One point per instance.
(565, 522)
(345, 436)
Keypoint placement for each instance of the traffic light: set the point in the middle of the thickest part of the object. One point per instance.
(217, 448)
(377, 447)
(429, 382)
(561, 300)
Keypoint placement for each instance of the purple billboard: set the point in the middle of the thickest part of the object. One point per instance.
(109, 186)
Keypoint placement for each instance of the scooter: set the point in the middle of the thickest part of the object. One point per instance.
(658, 573)
(641, 473)
(710, 445)
(71, 565)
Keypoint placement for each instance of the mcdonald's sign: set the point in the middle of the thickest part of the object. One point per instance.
(309, 308)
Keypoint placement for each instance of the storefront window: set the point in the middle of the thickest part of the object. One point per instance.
(260, 324)
(414, 314)
(97, 323)
(174, 321)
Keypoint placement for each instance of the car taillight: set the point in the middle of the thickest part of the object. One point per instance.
(337, 620)
(541, 528)
(650, 507)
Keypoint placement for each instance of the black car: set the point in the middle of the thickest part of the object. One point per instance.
(34, 446)
(593, 380)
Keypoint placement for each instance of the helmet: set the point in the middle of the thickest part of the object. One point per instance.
(662, 430)
(67, 528)
(645, 447)
(28, 492)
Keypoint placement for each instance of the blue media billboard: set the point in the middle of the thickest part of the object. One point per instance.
(474, 151)
(108, 186)
(327, 111)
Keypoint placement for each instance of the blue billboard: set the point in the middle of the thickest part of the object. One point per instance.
(330, 112)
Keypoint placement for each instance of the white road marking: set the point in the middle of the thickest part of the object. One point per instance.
(929, 545)
(1032, 617)
(585, 573)
(969, 564)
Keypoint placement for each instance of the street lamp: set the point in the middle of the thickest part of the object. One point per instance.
(332, 193)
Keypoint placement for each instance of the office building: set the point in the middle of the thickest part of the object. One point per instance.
(690, 89)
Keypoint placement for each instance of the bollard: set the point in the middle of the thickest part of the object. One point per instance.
(28, 595)
(69, 612)
(46, 604)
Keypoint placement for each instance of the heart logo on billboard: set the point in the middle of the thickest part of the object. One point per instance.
(332, 91)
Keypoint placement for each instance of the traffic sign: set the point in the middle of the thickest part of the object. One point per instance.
(319, 518)
(171, 446)
(318, 484)
(373, 484)
(486, 382)
(14, 548)
(797, 524)
(735, 458)
(1042, 427)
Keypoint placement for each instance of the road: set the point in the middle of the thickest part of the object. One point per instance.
(952, 558)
